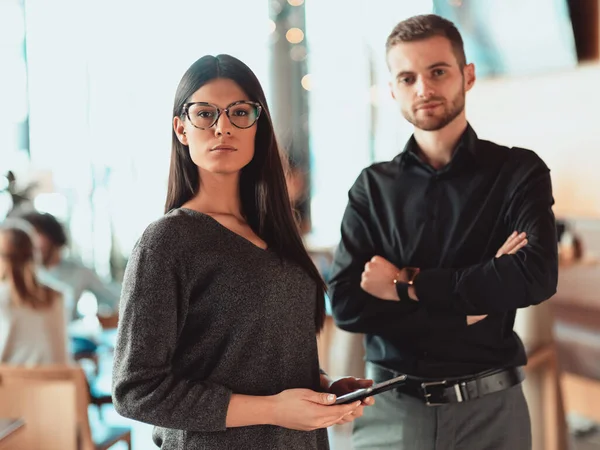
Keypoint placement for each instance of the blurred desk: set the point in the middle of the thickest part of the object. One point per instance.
(576, 311)
(9, 429)
(552, 335)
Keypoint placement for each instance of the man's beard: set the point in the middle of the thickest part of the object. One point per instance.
(437, 122)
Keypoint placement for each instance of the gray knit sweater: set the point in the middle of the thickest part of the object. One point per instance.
(205, 313)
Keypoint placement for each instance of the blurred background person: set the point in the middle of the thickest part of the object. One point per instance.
(72, 278)
(32, 315)
(68, 273)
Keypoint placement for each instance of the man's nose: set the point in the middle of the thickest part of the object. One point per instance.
(424, 88)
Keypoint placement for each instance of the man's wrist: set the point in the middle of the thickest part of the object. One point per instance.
(402, 291)
(404, 283)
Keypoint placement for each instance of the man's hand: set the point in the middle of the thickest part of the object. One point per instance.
(378, 278)
(515, 242)
(471, 320)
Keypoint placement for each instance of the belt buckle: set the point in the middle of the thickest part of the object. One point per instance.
(427, 395)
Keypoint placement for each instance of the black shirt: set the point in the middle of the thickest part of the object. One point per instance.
(450, 223)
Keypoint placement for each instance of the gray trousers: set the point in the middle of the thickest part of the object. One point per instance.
(498, 421)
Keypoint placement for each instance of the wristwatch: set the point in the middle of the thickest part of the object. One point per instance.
(402, 286)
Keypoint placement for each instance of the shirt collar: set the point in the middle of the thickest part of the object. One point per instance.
(467, 146)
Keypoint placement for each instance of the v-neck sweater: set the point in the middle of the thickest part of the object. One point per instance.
(206, 313)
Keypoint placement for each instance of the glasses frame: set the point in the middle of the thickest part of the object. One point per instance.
(186, 111)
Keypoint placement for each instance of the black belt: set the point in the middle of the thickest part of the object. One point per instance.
(453, 389)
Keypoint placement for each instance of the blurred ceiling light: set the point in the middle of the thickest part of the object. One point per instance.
(272, 26)
(306, 82)
(298, 53)
(294, 35)
(295, 2)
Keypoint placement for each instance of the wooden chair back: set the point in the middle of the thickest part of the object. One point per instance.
(52, 400)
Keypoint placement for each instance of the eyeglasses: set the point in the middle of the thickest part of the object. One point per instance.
(241, 114)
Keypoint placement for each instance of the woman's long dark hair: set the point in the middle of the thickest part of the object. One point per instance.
(263, 190)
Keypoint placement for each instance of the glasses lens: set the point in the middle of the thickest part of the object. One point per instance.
(243, 115)
(202, 116)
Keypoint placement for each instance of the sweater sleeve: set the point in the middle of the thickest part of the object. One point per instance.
(153, 310)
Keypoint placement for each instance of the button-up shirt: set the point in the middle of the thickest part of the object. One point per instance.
(450, 223)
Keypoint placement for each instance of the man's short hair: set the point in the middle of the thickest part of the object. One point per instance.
(421, 27)
(47, 225)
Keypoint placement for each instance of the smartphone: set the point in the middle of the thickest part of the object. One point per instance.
(378, 388)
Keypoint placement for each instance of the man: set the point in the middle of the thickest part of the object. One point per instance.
(67, 274)
(439, 248)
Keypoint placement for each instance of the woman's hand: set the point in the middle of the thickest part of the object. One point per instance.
(306, 410)
(350, 384)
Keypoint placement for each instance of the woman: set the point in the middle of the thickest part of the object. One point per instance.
(216, 343)
(32, 316)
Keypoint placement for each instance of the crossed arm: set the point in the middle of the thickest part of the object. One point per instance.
(379, 274)
(522, 272)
